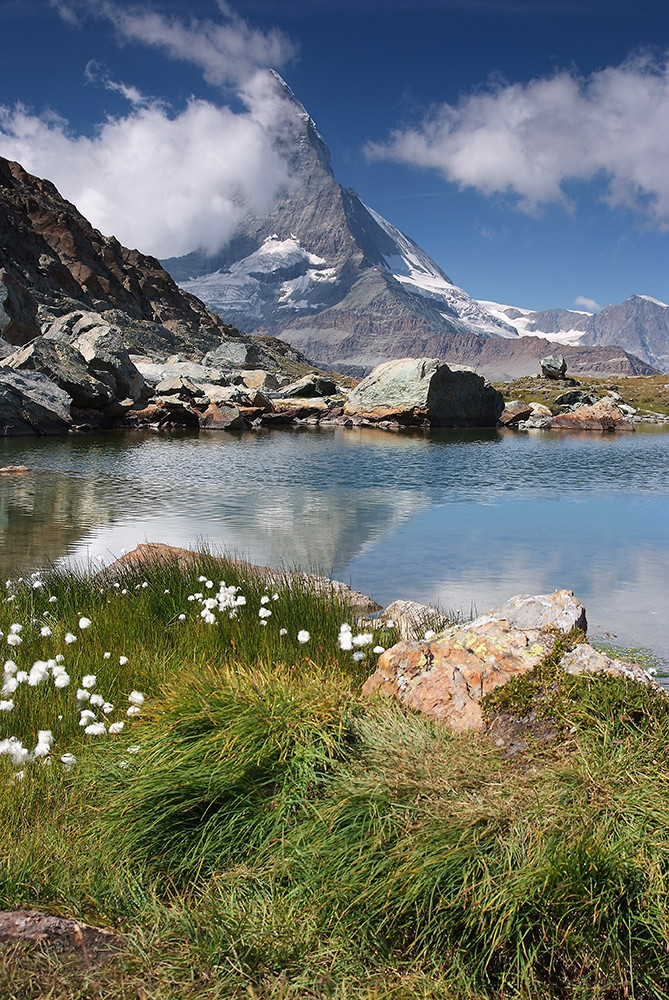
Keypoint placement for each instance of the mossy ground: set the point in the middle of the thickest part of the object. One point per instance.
(277, 836)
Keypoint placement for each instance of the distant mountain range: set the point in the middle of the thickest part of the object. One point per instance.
(328, 275)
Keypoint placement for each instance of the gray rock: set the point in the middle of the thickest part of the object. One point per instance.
(309, 387)
(31, 404)
(64, 366)
(576, 397)
(412, 620)
(425, 392)
(584, 659)
(560, 610)
(514, 411)
(18, 311)
(553, 366)
(179, 386)
(101, 345)
(153, 371)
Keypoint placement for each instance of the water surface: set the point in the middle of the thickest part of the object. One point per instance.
(466, 519)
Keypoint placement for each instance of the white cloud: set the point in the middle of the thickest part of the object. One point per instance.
(166, 185)
(168, 182)
(583, 302)
(528, 140)
(227, 51)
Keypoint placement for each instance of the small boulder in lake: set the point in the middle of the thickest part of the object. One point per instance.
(514, 411)
(425, 392)
(553, 366)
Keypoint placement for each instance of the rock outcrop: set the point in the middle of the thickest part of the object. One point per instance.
(30, 403)
(425, 392)
(553, 366)
(447, 676)
(604, 415)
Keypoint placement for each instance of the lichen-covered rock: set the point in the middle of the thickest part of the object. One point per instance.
(447, 676)
(222, 417)
(425, 391)
(101, 345)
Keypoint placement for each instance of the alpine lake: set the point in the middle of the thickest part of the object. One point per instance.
(460, 519)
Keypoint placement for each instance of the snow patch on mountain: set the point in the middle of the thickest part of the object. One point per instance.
(525, 323)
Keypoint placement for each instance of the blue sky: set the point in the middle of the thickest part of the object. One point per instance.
(523, 143)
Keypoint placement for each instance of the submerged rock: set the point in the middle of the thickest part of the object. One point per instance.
(425, 392)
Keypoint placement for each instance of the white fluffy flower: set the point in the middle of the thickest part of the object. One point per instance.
(264, 613)
(106, 655)
(7, 705)
(359, 655)
(10, 667)
(97, 700)
(86, 717)
(14, 640)
(363, 639)
(133, 710)
(70, 638)
(379, 649)
(107, 707)
(182, 618)
(303, 636)
(95, 729)
(10, 685)
(45, 631)
(264, 599)
(116, 727)
(88, 680)
(123, 660)
(136, 698)
(283, 631)
(53, 599)
(83, 694)
(68, 761)
(61, 679)
(84, 622)
(15, 628)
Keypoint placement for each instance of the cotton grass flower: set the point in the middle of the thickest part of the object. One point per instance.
(45, 631)
(264, 613)
(379, 649)
(97, 700)
(84, 622)
(86, 717)
(10, 667)
(88, 681)
(359, 655)
(6, 705)
(95, 729)
(123, 660)
(83, 694)
(106, 655)
(136, 698)
(283, 631)
(68, 761)
(133, 710)
(14, 640)
(53, 599)
(303, 636)
(264, 599)
(69, 638)
(61, 679)
(15, 628)
(116, 727)
(10, 685)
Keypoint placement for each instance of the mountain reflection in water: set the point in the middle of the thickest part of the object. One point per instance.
(462, 518)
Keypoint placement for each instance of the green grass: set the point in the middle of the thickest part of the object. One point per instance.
(647, 393)
(276, 835)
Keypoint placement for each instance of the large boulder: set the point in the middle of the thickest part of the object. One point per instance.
(425, 392)
(30, 403)
(64, 366)
(447, 676)
(553, 366)
(101, 344)
(310, 387)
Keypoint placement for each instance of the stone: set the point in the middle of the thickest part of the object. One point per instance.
(66, 367)
(91, 946)
(310, 386)
(539, 419)
(412, 620)
(30, 403)
(425, 392)
(553, 366)
(604, 415)
(576, 397)
(180, 386)
(13, 470)
(584, 659)
(447, 676)
(101, 344)
(261, 380)
(219, 417)
(514, 411)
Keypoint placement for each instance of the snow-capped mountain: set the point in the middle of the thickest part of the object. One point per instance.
(333, 278)
(639, 325)
(322, 249)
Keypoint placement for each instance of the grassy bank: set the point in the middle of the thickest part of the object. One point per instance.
(647, 393)
(256, 829)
